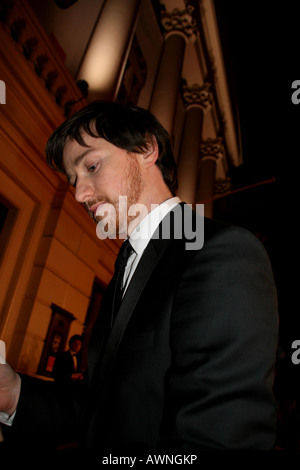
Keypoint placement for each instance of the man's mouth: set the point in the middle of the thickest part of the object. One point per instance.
(93, 209)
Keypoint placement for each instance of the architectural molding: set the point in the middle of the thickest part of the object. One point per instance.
(180, 22)
(217, 73)
(197, 95)
(222, 185)
(212, 148)
(20, 23)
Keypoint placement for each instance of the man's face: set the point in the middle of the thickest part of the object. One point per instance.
(100, 174)
(75, 346)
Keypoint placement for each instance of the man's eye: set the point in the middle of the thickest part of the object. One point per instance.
(92, 168)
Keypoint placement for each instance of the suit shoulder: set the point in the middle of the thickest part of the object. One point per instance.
(199, 231)
(233, 235)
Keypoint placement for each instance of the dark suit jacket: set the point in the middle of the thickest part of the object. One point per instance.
(63, 367)
(190, 357)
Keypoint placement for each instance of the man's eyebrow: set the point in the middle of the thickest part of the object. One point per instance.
(77, 161)
(80, 157)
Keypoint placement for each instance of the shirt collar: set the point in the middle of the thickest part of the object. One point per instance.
(141, 235)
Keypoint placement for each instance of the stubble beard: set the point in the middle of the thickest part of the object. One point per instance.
(131, 188)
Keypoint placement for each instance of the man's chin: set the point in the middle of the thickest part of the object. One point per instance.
(110, 230)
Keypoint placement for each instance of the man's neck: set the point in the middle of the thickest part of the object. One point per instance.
(151, 204)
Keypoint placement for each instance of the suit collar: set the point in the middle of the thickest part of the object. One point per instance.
(169, 228)
(142, 234)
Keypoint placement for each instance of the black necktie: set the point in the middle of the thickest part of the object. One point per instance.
(120, 265)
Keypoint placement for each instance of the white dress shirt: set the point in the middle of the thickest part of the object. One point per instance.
(142, 234)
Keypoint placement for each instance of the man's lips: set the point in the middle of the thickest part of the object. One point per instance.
(94, 207)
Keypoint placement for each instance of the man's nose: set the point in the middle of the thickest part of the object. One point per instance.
(84, 190)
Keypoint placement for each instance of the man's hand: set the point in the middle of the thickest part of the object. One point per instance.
(10, 386)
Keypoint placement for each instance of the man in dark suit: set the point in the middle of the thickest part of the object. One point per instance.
(66, 369)
(185, 362)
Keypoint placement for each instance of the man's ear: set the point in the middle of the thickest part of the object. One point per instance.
(152, 153)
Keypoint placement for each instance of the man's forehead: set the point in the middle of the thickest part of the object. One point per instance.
(73, 150)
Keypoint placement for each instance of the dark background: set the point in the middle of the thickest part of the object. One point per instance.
(261, 45)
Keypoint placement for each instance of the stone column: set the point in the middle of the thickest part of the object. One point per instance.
(197, 100)
(105, 59)
(211, 151)
(179, 26)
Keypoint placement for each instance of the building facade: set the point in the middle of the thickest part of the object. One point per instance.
(55, 57)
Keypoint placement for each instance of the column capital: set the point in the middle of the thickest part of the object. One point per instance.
(223, 185)
(212, 148)
(196, 95)
(179, 22)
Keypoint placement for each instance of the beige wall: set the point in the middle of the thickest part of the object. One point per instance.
(51, 253)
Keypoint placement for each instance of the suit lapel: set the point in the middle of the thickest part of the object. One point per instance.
(132, 295)
(149, 259)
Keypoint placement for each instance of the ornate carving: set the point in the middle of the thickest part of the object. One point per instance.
(36, 48)
(212, 148)
(222, 185)
(179, 22)
(197, 95)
